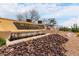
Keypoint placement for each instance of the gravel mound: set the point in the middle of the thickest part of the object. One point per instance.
(46, 46)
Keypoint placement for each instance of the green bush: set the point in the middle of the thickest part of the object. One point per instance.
(2, 42)
(75, 28)
(64, 29)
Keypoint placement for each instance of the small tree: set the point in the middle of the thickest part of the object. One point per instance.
(34, 15)
(20, 17)
(26, 16)
(52, 21)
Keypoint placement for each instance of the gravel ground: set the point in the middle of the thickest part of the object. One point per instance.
(51, 45)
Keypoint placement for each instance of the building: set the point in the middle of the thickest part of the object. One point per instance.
(12, 29)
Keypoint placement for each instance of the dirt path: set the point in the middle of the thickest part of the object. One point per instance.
(72, 46)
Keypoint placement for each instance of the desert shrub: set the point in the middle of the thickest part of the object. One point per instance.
(77, 34)
(74, 28)
(2, 42)
(64, 29)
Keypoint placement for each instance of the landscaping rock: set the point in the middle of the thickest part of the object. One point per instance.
(46, 46)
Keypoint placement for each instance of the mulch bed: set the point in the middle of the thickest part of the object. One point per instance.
(51, 45)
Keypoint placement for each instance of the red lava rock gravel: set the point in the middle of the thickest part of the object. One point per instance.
(46, 46)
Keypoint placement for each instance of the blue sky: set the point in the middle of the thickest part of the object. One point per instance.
(66, 14)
